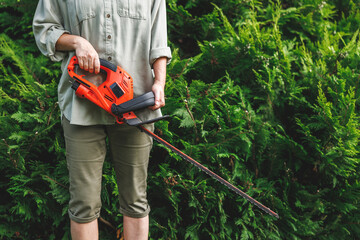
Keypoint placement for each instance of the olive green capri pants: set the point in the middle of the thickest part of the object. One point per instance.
(85, 154)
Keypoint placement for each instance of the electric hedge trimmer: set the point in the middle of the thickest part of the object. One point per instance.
(115, 95)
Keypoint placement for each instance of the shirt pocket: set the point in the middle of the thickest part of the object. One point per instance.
(136, 9)
(79, 12)
(85, 9)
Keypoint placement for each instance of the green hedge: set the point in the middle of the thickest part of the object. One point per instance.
(264, 93)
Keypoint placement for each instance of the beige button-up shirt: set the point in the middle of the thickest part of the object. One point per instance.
(128, 33)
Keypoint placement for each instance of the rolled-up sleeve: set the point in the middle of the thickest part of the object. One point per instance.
(48, 27)
(159, 47)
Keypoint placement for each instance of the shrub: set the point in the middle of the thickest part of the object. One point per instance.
(264, 93)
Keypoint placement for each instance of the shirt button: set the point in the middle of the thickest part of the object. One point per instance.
(109, 36)
(109, 58)
(108, 15)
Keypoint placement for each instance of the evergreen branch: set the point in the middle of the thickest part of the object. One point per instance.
(31, 144)
(228, 115)
(14, 162)
(31, 72)
(56, 182)
(228, 139)
(182, 70)
(192, 117)
(107, 223)
(119, 233)
(51, 113)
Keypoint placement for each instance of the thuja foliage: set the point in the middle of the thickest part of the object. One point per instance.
(264, 93)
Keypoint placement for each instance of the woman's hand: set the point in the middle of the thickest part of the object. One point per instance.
(87, 56)
(158, 87)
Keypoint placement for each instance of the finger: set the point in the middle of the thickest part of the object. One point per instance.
(81, 62)
(97, 65)
(86, 64)
(155, 106)
(91, 65)
(162, 99)
(159, 100)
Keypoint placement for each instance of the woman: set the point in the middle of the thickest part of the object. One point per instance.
(133, 35)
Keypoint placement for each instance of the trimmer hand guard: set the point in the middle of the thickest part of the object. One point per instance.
(141, 102)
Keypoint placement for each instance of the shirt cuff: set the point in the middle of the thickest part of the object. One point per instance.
(160, 52)
(53, 35)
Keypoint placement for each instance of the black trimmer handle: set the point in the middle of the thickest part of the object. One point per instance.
(108, 65)
(141, 102)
